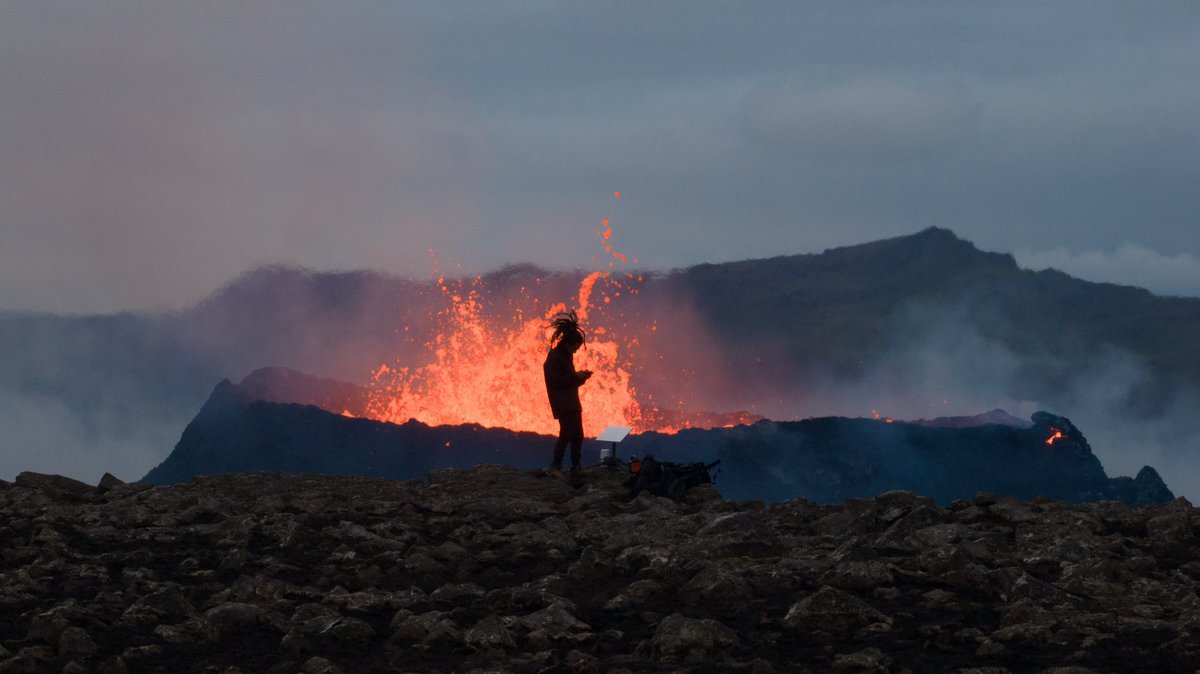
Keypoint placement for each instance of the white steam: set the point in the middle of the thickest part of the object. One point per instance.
(938, 363)
(1128, 265)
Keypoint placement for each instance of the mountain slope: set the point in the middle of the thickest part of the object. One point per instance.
(843, 301)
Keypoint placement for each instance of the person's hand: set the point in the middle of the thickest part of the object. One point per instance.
(585, 374)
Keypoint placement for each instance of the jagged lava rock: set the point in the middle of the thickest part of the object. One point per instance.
(496, 568)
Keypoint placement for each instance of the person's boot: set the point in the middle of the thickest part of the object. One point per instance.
(556, 467)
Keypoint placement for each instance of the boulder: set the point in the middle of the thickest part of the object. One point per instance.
(830, 609)
(76, 642)
(109, 482)
(233, 620)
(56, 487)
(348, 632)
(554, 626)
(718, 585)
(691, 639)
(165, 603)
(319, 665)
(426, 628)
(48, 626)
(490, 635)
(868, 660)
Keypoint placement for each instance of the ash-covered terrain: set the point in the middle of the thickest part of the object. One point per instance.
(496, 569)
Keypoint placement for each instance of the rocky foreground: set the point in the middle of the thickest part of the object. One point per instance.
(495, 569)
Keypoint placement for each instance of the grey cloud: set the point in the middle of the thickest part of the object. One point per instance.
(149, 151)
(863, 120)
(171, 168)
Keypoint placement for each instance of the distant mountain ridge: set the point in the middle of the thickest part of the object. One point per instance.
(747, 331)
(839, 297)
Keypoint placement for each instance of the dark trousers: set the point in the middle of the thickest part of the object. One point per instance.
(570, 431)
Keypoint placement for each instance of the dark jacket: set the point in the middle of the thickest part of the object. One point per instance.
(562, 382)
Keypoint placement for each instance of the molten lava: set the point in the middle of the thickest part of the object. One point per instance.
(487, 372)
(1057, 435)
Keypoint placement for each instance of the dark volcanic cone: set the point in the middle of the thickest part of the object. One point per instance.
(826, 459)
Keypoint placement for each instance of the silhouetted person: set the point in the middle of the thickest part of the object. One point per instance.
(562, 387)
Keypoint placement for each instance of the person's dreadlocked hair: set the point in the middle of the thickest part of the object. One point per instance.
(566, 327)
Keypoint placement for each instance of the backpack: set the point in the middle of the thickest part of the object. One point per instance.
(663, 478)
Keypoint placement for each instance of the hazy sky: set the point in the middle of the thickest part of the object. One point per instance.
(151, 151)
